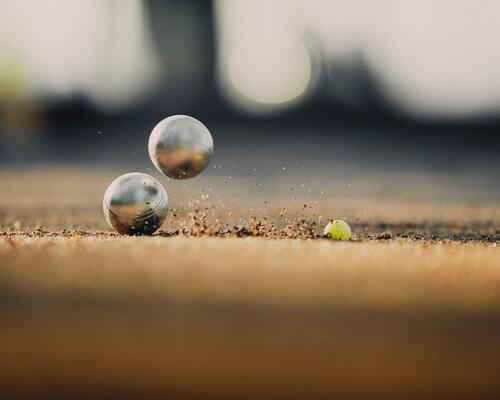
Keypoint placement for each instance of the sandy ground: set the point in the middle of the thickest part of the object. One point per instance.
(410, 308)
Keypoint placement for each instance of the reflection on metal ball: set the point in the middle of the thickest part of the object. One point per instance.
(180, 146)
(135, 204)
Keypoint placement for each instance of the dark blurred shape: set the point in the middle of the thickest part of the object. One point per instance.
(351, 82)
(183, 35)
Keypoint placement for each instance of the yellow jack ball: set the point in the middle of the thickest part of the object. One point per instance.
(338, 229)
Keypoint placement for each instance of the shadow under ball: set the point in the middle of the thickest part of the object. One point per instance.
(135, 204)
(180, 146)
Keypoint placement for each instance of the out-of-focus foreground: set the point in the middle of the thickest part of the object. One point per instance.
(224, 318)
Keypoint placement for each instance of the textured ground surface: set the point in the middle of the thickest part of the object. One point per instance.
(239, 296)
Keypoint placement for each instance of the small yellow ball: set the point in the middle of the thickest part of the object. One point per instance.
(338, 229)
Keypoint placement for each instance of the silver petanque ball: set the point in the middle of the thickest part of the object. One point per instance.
(135, 204)
(180, 146)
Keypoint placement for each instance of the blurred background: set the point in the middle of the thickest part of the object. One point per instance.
(390, 98)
